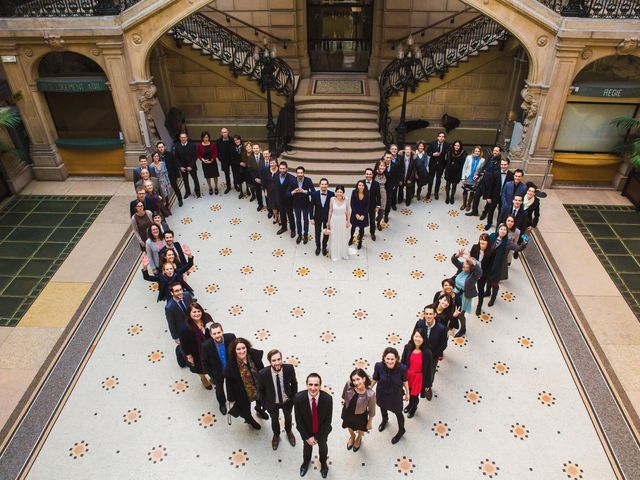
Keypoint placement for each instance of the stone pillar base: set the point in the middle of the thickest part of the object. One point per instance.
(132, 152)
(18, 175)
(47, 163)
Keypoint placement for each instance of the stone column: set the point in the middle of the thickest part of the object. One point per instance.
(126, 102)
(377, 39)
(551, 101)
(47, 163)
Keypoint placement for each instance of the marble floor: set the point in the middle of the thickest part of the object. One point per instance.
(505, 403)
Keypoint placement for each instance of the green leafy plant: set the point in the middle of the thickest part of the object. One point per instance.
(632, 142)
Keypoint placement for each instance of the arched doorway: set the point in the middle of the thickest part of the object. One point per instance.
(81, 105)
(339, 35)
(587, 144)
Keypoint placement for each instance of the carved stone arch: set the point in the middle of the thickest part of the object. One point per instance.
(598, 53)
(82, 50)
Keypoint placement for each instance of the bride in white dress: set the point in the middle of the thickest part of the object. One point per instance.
(339, 214)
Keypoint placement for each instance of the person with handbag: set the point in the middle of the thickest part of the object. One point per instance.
(470, 174)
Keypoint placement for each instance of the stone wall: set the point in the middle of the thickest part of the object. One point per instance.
(205, 94)
(478, 98)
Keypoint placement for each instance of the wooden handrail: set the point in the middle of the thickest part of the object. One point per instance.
(422, 30)
(229, 17)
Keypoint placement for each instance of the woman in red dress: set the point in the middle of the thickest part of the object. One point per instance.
(417, 358)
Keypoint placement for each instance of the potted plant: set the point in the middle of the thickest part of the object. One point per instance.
(631, 148)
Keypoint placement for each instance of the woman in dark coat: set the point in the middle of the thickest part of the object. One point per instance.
(455, 308)
(391, 377)
(466, 278)
(273, 191)
(417, 356)
(531, 205)
(191, 339)
(453, 170)
(500, 244)
(169, 274)
(422, 160)
(359, 212)
(483, 253)
(241, 380)
(241, 165)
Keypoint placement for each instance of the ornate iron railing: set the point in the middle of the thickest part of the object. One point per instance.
(436, 57)
(230, 49)
(595, 8)
(63, 8)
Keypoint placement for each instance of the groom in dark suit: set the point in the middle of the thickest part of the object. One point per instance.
(299, 190)
(314, 409)
(277, 388)
(320, 202)
(373, 187)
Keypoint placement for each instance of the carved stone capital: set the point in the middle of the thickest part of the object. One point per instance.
(627, 46)
(56, 42)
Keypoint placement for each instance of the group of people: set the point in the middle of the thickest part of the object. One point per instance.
(235, 369)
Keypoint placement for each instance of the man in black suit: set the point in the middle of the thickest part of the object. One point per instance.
(186, 155)
(283, 179)
(172, 169)
(277, 388)
(488, 169)
(214, 359)
(298, 192)
(224, 144)
(175, 311)
(313, 410)
(175, 246)
(492, 194)
(408, 177)
(320, 202)
(263, 174)
(517, 212)
(436, 335)
(141, 197)
(373, 187)
(394, 176)
(438, 152)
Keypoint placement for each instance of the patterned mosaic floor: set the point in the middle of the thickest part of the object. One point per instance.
(36, 235)
(614, 235)
(505, 404)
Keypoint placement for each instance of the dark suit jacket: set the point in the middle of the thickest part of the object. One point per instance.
(494, 185)
(177, 249)
(510, 190)
(522, 219)
(185, 156)
(284, 200)
(300, 200)
(211, 359)
(486, 259)
(164, 282)
(374, 195)
(264, 173)
(437, 336)
(408, 175)
(172, 165)
(533, 213)
(302, 408)
(438, 162)
(225, 151)
(319, 213)
(175, 316)
(427, 355)
(267, 391)
(233, 381)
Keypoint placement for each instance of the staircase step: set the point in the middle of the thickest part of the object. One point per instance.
(336, 99)
(332, 117)
(337, 107)
(341, 134)
(340, 146)
(336, 124)
(326, 157)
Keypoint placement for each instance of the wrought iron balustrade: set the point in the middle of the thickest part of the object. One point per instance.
(620, 9)
(230, 49)
(63, 8)
(436, 58)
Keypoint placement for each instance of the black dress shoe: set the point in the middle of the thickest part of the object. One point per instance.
(324, 471)
(252, 198)
(293, 234)
(396, 438)
(270, 215)
(393, 207)
(180, 203)
(238, 189)
(303, 469)
(406, 409)
(317, 251)
(187, 195)
(299, 239)
(436, 196)
(325, 251)
(411, 414)
(305, 240)
(253, 423)
(241, 195)
(211, 191)
(262, 414)
(382, 426)
(216, 191)
(429, 394)
(223, 409)
(281, 231)
(484, 215)
(373, 236)
(471, 214)
(227, 190)
(259, 208)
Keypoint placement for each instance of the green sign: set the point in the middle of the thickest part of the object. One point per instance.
(73, 84)
(619, 90)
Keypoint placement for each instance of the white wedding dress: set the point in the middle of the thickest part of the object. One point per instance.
(339, 238)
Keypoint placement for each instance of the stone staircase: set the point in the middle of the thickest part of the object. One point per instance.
(336, 135)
